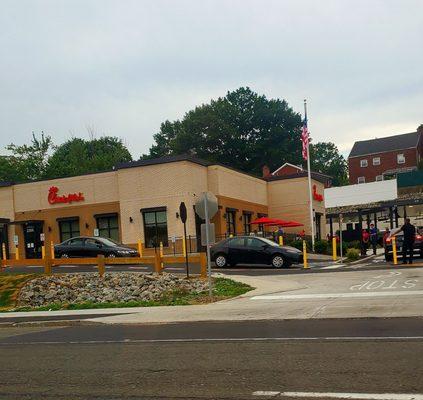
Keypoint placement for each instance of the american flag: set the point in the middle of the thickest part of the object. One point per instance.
(305, 138)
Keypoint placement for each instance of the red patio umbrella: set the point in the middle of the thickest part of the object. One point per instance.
(276, 222)
(264, 221)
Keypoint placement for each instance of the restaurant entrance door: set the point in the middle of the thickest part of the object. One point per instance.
(32, 239)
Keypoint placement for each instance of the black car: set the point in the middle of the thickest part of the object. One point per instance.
(83, 246)
(417, 247)
(254, 250)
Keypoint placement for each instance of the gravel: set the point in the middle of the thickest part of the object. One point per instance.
(112, 287)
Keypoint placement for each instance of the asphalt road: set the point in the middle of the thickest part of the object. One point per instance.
(212, 360)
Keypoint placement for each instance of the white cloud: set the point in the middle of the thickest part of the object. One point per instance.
(126, 66)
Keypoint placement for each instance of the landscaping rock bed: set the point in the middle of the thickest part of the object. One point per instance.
(113, 287)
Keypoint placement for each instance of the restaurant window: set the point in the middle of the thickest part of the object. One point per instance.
(246, 220)
(108, 226)
(68, 228)
(230, 222)
(155, 227)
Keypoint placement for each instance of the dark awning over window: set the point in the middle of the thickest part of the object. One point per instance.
(107, 215)
(67, 219)
(151, 209)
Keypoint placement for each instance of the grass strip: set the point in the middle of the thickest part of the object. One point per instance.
(223, 288)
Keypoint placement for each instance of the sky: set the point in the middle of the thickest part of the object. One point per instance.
(123, 67)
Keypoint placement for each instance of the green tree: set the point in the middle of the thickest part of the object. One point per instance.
(26, 162)
(78, 156)
(326, 158)
(243, 129)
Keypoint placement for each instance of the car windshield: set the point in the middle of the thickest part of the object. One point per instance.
(268, 241)
(109, 242)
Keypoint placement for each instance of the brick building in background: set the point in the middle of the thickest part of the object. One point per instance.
(380, 159)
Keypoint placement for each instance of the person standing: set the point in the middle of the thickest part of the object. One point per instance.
(364, 241)
(279, 233)
(373, 237)
(409, 238)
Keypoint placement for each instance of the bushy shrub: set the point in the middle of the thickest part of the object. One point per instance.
(299, 244)
(321, 246)
(355, 244)
(353, 254)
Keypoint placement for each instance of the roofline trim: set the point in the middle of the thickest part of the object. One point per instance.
(380, 152)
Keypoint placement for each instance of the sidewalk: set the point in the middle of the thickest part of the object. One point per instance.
(352, 294)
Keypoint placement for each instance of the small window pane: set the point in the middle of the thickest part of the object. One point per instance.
(161, 217)
(376, 161)
(149, 218)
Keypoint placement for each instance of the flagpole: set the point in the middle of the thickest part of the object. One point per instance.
(310, 197)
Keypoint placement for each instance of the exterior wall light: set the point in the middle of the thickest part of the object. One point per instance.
(131, 220)
(86, 225)
(177, 215)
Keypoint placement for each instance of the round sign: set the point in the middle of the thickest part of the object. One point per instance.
(212, 207)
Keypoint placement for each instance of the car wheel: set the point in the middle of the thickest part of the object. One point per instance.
(278, 261)
(221, 261)
(64, 255)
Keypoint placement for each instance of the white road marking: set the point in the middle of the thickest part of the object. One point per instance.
(336, 295)
(252, 339)
(334, 266)
(366, 396)
(265, 393)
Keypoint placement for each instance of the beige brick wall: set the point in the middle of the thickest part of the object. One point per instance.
(288, 199)
(232, 184)
(157, 186)
(7, 211)
(97, 188)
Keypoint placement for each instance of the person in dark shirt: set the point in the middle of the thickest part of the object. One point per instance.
(373, 237)
(409, 237)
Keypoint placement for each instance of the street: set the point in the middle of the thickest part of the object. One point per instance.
(212, 360)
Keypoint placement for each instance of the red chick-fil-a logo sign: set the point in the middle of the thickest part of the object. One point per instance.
(54, 198)
(317, 196)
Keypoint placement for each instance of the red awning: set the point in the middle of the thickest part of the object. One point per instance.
(276, 222)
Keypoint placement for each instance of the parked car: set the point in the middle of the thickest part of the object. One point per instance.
(417, 248)
(83, 246)
(254, 250)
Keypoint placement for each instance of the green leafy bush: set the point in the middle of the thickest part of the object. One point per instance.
(321, 246)
(355, 244)
(353, 254)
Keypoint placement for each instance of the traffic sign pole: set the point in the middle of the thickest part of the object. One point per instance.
(206, 212)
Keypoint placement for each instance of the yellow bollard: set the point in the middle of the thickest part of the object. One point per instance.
(334, 249)
(43, 252)
(280, 240)
(52, 250)
(305, 254)
(161, 254)
(184, 247)
(394, 249)
(17, 253)
(140, 247)
(3, 248)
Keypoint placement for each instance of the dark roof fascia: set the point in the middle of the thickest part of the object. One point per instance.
(171, 159)
(380, 152)
(6, 184)
(162, 160)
